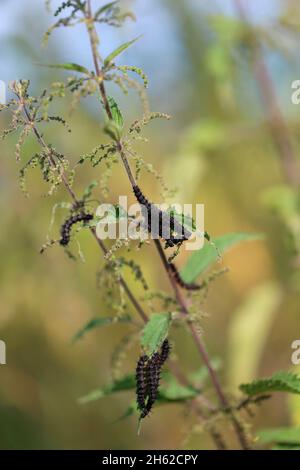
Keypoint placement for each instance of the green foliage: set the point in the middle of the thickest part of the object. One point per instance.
(112, 130)
(98, 322)
(137, 126)
(285, 437)
(69, 67)
(279, 382)
(104, 8)
(121, 385)
(170, 391)
(70, 20)
(118, 51)
(75, 4)
(115, 112)
(202, 259)
(155, 331)
(106, 152)
(207, 135)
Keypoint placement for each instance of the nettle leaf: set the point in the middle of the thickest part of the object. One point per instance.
(98, 322)
(121, 385)
(279, 382)
(119, 50)
(201, 259)
(155, 331)
(70, 66)
(116, 113)
(289, 436)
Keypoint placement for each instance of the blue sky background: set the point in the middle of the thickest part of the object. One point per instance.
(158, 52)
(154, 22)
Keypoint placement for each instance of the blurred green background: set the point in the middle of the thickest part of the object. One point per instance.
(217, 150)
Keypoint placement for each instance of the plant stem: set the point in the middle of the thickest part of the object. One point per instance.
(93, 36)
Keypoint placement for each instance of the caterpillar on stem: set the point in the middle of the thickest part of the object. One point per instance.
(65, 230)
(148, 371)
(160, 223)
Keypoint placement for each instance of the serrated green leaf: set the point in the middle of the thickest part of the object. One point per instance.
(69, 66)
(116, 113)
(155, 331)
(201, 259)
(289, 436)
(279, 382)
(99, 322)
(124, 384)
(119, 50)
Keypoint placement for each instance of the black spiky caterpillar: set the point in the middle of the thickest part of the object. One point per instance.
(148, 371)
(154, 368)
(185, 285)
(65, 230)
(163, 219)
(165, 351)
(141, 382)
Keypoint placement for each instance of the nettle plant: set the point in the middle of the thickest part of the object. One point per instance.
(156, 379)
